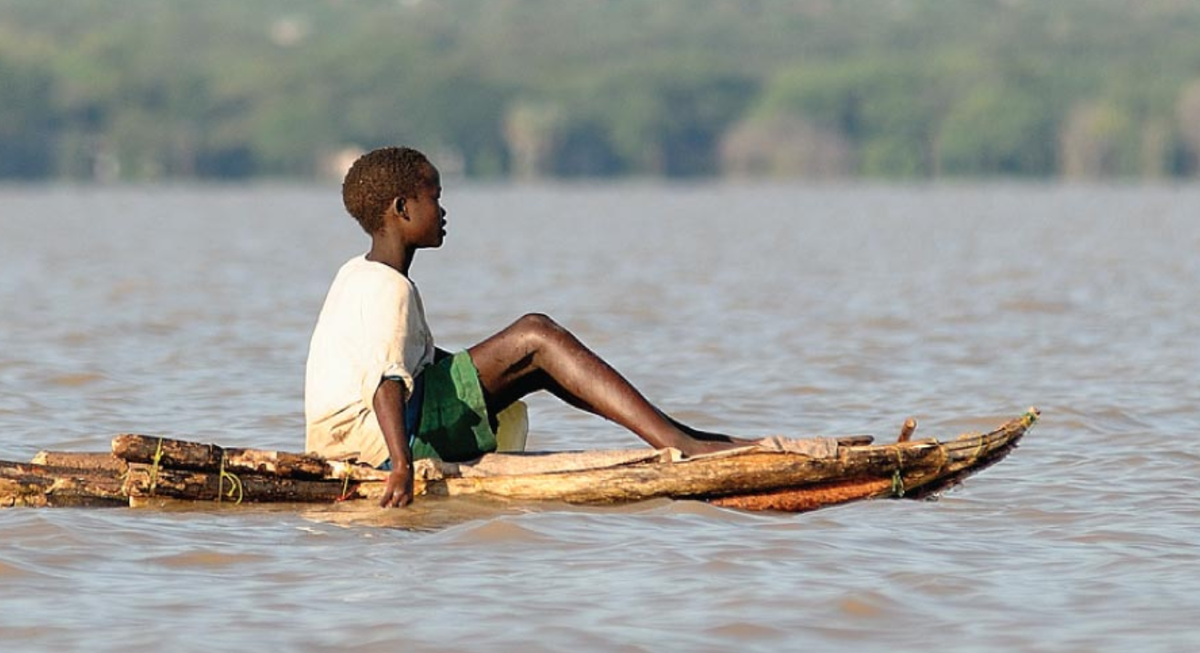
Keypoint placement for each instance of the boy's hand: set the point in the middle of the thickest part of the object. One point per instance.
(399, 489)
(389, 406)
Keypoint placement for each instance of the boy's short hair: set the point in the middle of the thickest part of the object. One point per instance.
(379, 177)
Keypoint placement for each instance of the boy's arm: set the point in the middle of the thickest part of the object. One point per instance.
(389, 410)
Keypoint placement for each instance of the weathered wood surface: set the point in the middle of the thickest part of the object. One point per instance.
(762, 481)
(811, 497)
(549, 462)
(180, 454)
(751, 479)
(962, 457)
(146, 481)
(698, 478)
(32, 485)
(102, 461)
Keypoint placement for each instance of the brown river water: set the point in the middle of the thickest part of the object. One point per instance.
(795, 310)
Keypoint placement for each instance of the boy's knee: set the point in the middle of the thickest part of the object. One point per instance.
(538, 322)
(540, 326)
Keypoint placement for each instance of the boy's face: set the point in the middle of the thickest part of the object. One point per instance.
(426, 217)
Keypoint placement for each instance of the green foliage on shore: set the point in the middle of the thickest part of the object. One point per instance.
(149, 89)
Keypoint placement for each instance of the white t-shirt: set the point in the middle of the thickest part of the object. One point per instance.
(371, 327)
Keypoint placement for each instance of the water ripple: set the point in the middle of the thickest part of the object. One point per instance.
(834, 310)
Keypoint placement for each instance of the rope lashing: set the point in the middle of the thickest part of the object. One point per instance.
(235, 483)
(897, 478)
(345, 485)
(154, 462)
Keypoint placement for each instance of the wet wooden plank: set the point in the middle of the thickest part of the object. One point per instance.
(33, 485)
(181, 454)
(145, 481)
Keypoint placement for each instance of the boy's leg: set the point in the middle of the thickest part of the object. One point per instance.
(535, 353)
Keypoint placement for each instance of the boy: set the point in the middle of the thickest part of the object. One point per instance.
(375, 384)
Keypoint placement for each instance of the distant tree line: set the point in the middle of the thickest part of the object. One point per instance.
(154, 89)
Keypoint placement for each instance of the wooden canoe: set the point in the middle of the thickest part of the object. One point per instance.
(793, 476)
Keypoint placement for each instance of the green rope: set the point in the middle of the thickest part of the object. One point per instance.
(897, 478)
(235, 483)
(158, 454)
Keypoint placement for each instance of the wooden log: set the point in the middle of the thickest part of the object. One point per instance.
(820, 495)
(180, 454)
(906, 431)
(555, 462)
(967, 457)
(764, 480)
(19, 489)
(749, 479)
(903, 481)
(87, 461)
(696, 478)
(146, 481)
(29, 484)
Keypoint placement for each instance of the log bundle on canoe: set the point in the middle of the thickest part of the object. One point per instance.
(792, 476)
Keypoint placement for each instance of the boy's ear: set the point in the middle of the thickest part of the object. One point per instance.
(400, 206)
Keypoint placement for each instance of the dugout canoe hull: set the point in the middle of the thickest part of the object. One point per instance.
(142, 468)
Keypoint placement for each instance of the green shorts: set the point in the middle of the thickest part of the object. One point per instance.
(453, 424)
